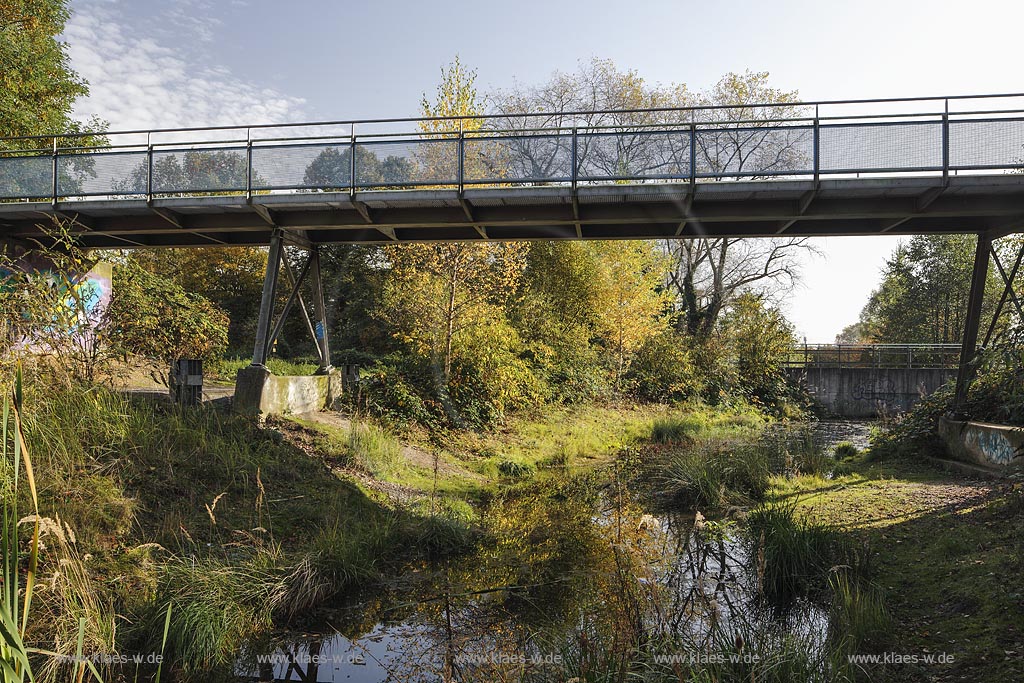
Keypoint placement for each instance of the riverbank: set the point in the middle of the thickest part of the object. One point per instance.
(948, 554)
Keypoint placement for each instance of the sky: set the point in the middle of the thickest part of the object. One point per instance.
(177, 63)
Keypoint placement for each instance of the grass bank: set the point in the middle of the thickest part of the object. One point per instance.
(948, 555)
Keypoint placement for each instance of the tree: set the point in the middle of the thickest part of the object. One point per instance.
(922, 297)
(38, 88)
(438, 291)
(704, 274)
(331, 169)
(558, 314)
(633, 305)
(759, 338)
(230, 277)
(194, 171)
(708, 274)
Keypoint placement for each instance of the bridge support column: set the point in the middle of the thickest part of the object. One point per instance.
(262, 347)
(969, 346)
(321, 334)
(257, 390)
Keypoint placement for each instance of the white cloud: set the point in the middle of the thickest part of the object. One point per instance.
(137, 82)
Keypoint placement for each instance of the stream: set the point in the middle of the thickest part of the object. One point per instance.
(567, 577)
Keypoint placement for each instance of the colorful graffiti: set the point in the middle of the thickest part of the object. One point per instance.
(85, 297)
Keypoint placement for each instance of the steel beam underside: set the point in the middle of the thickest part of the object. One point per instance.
(761, 208)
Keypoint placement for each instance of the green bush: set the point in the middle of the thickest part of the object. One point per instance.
(514, 470)
(152, 317)
(663, 370)
(709, 474)
(845, 450)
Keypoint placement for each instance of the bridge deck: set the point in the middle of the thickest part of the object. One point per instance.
(755, 171)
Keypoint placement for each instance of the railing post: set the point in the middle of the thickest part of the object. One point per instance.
(945, 144)
(248, 164)
(693, 153)
(574, 173)
(817, 146)
(149, 168)
(55, 174)
(462, 158)
(352, 164)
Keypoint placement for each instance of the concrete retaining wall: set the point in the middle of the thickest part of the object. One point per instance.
(259, 392)
(983, 443)
(870, 392)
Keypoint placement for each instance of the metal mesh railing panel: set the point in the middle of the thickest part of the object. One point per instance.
(995, 143)
(393, 164)
(633, 154)
(875, 356)
(102, 173)
(873, 147)
(306, 166)
(754, 151)
(518, 159)
(26, 177)
(222, 169)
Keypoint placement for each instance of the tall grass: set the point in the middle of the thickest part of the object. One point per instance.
(709, 474)
(76, 601)
(14, 662)
(858, 616)
(374, 450)
(791, 555)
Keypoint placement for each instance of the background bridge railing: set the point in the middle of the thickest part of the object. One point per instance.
(931, 136)
(874, 356)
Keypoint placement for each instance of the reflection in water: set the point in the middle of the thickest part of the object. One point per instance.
(573, 581)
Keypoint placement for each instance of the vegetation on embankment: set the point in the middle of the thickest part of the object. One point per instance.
(238, 528)
(947, 555)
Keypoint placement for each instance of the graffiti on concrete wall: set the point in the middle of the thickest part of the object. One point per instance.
(993, 445)
(882, 390)
(84, 296)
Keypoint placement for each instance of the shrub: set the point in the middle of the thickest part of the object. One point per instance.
(677, 429)
(514, 470)
(152, 317)
(708, 474)
(662, 369)
(844, 450)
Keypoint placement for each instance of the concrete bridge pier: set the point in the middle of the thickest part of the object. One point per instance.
(259, 391)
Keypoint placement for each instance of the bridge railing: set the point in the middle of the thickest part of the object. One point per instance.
(932, 136)
(874, 356)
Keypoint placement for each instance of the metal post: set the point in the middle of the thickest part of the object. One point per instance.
(248, 164)
(574, 174)
(260, 350)
(693, 153)
(462, 159)
(945, 144)
(55, 174)
(817, 147)
(149, 167)
(292, 298)
(323, 342)
(969, 344)
(352, 164)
